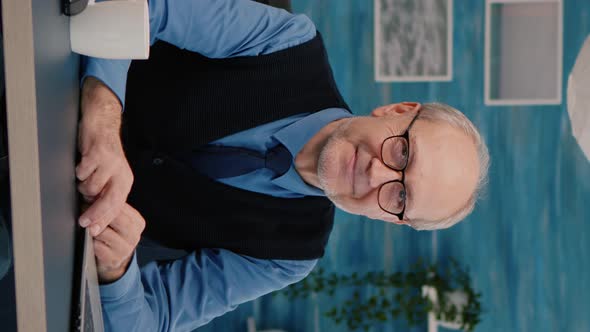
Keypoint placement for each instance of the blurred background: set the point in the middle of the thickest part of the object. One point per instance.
(527, 244)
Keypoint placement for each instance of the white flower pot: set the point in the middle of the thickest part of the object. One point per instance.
(252, 327)
(458, 298)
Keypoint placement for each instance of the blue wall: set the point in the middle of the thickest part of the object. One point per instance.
(527, 243)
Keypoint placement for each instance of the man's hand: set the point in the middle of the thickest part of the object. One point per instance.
(114, 247)
(104, 173)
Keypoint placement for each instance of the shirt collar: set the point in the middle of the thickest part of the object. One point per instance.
(294, 137)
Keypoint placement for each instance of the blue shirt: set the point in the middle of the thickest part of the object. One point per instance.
(293, 132)
(189, 292)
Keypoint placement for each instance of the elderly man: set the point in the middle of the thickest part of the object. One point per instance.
(239, 145)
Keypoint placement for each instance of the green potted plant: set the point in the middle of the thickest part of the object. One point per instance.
(444, 293)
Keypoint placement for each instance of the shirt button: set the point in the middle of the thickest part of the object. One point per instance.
(157, 161)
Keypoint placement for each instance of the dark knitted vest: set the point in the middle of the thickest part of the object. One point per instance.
(178, 100)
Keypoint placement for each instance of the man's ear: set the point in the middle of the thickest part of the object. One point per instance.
(396, 109)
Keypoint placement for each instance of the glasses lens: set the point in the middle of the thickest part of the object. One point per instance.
(392, 197)
(396, 152)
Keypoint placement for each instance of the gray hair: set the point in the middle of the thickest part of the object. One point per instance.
(442, 113)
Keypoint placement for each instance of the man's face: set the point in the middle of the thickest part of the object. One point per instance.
(440, 177)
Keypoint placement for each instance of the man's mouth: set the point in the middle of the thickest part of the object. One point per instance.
(351, 170)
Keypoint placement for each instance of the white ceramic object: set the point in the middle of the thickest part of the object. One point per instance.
(578, 98)
(114, 29)
(458, 298)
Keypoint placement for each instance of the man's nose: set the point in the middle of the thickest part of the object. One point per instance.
(379, 173)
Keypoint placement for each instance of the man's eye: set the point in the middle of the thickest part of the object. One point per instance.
(402, 195)
(404, 151)
(396, 153)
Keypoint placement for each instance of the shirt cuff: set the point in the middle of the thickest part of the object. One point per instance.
(113, 73)
(116, 290)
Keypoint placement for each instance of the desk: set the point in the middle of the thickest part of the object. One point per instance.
(42, 110)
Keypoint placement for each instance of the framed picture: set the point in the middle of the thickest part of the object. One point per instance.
(523, 52)
(413, 40)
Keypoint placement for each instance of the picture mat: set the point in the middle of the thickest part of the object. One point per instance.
(413, 40)
(523, 52)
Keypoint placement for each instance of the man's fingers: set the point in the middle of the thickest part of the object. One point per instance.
(102, 251)
(132, 212)
(135, 217)
(85, 168)
(125, 228)
(128, 227)
(111, 263)
(106, 257)
(102, 211)
(94, 184)
(89, 199)
(119, 246)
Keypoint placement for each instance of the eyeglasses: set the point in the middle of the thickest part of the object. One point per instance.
(395, 153)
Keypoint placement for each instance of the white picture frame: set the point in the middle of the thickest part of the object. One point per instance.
(435, 58)
(494, 98)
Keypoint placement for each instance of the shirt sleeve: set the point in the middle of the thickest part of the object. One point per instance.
(187, 293)
(214, 28)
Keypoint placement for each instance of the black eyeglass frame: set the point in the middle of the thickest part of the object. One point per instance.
(406, 136)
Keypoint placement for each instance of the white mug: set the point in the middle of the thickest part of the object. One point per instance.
(114, 29)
